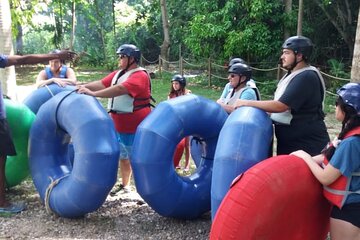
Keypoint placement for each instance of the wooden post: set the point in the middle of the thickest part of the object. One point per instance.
(181, 66)
(209, 68)
(160, 63)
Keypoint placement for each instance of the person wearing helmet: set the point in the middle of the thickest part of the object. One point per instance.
(228, 88)
(297, 108)
(56, 72)
(240, 86)
(338, 167)
(129, 92)
(7, 147)
(178, 88)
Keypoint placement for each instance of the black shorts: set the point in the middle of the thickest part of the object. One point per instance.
(7, 147)
(349, 213)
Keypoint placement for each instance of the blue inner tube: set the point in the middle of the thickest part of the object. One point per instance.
(155, 141)
(43, 94)
(72, 190)
(244, 140)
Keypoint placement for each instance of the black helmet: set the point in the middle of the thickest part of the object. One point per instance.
(299, 44)
(241, 69)
(350, 94)
(180, 79)
(236, 60)
(129, 50)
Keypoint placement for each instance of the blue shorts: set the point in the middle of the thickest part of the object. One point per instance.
(126, 141)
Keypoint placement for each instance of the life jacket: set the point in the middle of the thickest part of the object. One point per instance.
(125, 103)
(230, 100)
(338, 191)
(62, 73)
(286, 117)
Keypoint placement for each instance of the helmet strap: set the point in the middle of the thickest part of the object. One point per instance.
(238, 85)
(129, 64)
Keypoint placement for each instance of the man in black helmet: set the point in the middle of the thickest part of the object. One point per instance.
(297, 108)
(128, 90)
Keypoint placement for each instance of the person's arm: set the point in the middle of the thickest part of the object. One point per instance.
(42, 80)
(39, 58)
(272, 106)
(109, 92)
(69, 80)
(228, 108)
(325, 176)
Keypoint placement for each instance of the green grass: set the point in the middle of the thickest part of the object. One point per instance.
(26, 75)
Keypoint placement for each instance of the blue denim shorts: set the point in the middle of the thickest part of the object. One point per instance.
(126, 141)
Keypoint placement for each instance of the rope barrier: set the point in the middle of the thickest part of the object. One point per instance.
(217, 65)
(191, 64)
(150, 62)
(173, 62)
(337, 78)
(213, 75)
(264, 70)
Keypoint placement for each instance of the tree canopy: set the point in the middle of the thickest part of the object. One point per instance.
(252, 29)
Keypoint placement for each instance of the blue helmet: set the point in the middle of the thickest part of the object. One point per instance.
(129, 50)
(350, 94)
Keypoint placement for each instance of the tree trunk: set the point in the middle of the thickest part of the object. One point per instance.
(165, 47)
(355, 70)
(340, 17)
(7, 75)
(73, 24)
(19, 40)
(288, 9)
(300, 17)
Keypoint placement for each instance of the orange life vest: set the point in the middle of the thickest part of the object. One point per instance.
(338, 191)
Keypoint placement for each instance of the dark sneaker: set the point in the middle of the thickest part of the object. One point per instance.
(120, 188)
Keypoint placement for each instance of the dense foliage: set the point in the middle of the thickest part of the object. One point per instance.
(252, 29)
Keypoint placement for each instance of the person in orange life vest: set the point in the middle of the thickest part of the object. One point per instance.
(7, 147)
(178, 88)
(341, 175)
(56, 72)
(129, 93)
(297, 107)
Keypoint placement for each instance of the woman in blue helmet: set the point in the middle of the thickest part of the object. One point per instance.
(338, 167)
(56, 72)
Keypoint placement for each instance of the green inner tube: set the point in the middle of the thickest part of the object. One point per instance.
(20, 119)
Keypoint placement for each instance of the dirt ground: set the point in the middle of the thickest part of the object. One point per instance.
(123, 217)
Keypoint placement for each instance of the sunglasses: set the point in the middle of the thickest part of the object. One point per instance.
(233, 75)
(121, 56)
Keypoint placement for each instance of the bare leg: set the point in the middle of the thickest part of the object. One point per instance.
(342, 230)
(3, 201)
(125, 170)
(187, 153)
